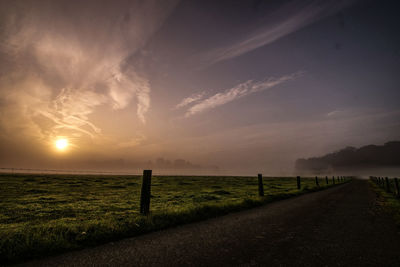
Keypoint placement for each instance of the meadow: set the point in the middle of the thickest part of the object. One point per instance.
(389, 199)
(42, 214)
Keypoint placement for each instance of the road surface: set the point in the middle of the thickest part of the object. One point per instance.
(341, 226)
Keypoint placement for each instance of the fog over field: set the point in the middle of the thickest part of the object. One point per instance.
(208, 87)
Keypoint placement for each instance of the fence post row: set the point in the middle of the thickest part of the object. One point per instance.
(384, 182)
(387, 184)
(396, 184)
(298, 182)
(145, 193)
(260, 185)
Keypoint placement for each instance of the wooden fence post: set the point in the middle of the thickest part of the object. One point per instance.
(316, 181)
(326, 179)
(387, 185)
(145, 193)
(333, 179)
(396, 183)
(298, 182)
(260, 185)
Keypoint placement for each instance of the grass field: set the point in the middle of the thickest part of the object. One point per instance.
(45, 214)
(388, 200)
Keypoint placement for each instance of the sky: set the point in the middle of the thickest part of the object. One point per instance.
(237, 87)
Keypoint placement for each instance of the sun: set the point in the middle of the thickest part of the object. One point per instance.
(61, 144)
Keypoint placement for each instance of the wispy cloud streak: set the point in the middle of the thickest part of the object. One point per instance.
(239, 91)
(290, 18)
(189, 100)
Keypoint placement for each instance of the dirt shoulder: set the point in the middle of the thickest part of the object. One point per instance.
(341, 226)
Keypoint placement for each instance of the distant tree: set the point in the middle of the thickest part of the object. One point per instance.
(371, 156)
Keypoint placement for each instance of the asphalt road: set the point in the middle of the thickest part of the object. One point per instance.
(341, 226)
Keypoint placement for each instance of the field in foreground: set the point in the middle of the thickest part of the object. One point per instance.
(44, 214)
(342, 226)
(389, 200)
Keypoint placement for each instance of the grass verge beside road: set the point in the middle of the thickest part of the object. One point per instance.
(388, 200)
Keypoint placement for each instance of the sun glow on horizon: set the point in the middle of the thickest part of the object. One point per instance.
(61, 144)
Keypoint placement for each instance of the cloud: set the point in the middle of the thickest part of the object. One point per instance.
(65, 59)
(122, 88)
(188, 100)
(290, 18)
(71, 108)
(239, 91)
(336, 113)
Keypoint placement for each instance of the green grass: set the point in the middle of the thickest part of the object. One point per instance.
(388, 200)
(45, 214)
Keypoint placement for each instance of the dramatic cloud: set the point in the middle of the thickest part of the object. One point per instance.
(130, 81)
(289, 18)
(238, 91)
(61, 69)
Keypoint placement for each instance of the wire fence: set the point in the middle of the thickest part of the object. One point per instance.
(61, 171)
(133, 171)
(390, 185)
